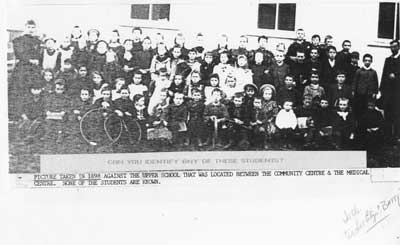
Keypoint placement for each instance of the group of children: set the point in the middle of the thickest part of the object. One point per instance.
(311, 94)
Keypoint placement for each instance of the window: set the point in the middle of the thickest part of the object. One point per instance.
(277, 16)
(155, 11)
(388, 24)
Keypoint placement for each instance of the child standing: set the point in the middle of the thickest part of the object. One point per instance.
(238, 129)
(175, 117)
(269, 112)
(56, 107)
(343, 125)
(286, 122)
(215, 115)
(365, 86)
(196, 126)
(278, 71)
(259, 69)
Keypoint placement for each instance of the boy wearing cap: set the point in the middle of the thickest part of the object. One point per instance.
(353, 67)
(32, 112)
(238, 129)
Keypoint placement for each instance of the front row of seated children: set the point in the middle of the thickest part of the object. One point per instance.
(243, 121)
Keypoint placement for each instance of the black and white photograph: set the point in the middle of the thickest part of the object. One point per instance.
(200, 122)
(130, 76)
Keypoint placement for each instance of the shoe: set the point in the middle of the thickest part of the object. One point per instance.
(266, 147)
(227, 146)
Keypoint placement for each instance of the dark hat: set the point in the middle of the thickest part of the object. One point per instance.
(30, 22)
(93, 30)
(355, 54)
(250, 85)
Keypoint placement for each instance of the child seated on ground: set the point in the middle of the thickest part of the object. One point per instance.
(238, 126)
(174, 116)
(32, 113)
(196, 125)
(215, 115)
(269, 110)
(343, 125)
(286, 122)
(140, 113)
(371, 128)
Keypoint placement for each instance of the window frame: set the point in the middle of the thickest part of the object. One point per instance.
(150, 18)
(396, 27)
(278, 3)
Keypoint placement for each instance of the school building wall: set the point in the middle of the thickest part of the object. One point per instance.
(356, 20)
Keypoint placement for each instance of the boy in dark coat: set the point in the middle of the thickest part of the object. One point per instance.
(259, 69)
(390, 89)
(344, 125)
(196, 125)
(365, 86)
(175, 117)
(339, 90)
(238, 129)
(371, 128)
(32, 113)
(215, 114)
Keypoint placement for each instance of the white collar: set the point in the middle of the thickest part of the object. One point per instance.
(331, 62)
(397, 55)
(369, 68)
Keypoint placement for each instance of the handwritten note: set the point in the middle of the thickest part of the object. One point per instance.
(358, 221)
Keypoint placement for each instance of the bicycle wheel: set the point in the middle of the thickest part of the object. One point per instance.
(113, 127)
(134, 131)
(92, 127)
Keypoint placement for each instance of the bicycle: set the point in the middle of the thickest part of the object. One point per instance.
(97, 121)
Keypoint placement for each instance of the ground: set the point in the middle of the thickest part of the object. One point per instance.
(25, 156)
